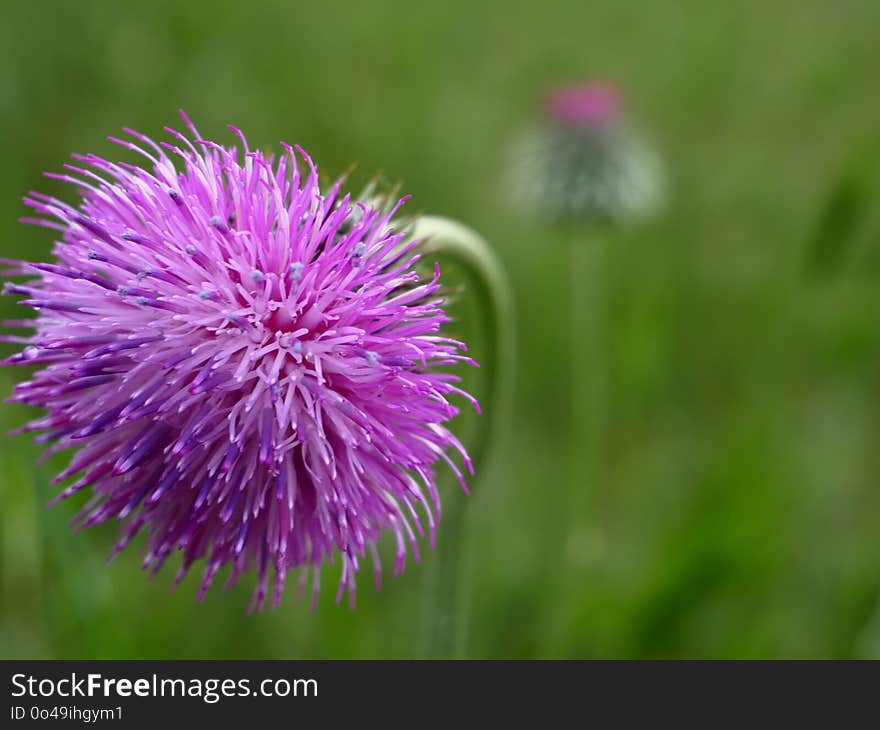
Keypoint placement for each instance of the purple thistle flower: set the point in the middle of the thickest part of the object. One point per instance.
(584, 162)
(246, 367)
(587, 105)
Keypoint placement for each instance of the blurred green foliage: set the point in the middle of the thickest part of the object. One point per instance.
(741, 510)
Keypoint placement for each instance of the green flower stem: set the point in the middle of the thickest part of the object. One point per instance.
(443, 617)
(580, 493)
(590, 378)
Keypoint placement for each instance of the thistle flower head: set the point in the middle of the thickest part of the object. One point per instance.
(584, 106)
(584, 162)
(249, 369)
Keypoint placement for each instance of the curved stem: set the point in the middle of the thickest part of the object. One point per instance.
(442, 619)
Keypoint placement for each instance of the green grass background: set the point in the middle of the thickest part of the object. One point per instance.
(741, 511)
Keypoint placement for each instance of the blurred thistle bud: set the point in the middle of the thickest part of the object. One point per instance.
(584, 162)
